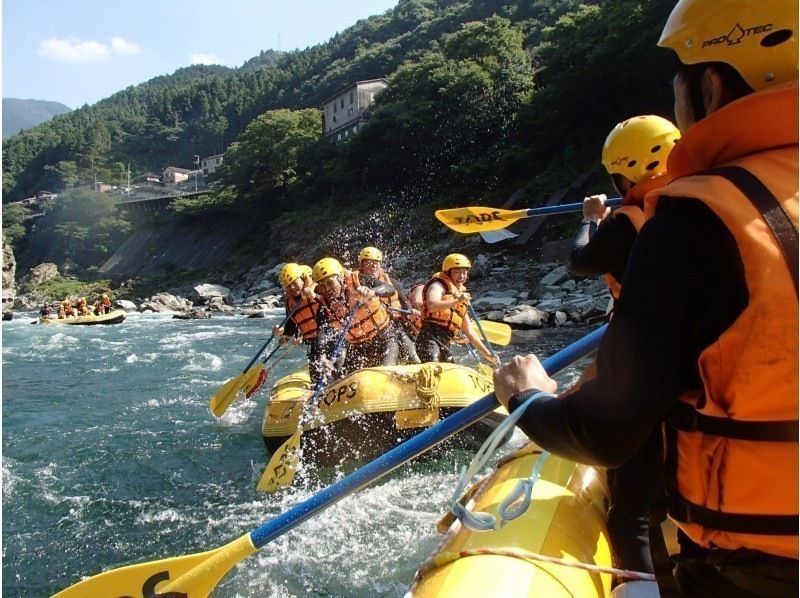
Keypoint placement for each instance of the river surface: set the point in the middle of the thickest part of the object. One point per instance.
(111, 457)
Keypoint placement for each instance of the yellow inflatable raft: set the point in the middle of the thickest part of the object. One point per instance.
(371, 410)
(558, 547)
(113, 317)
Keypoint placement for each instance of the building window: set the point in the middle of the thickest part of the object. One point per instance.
(351, 97)
(346, 133)
(355, 130)
(338, 137)
(342, 100)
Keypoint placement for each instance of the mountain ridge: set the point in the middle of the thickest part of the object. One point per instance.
(20, 114)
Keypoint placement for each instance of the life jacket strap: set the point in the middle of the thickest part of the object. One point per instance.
(686, 418)
(770, 208)
(684, 511)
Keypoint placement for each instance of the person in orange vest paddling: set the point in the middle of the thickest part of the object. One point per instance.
(445, 314)
(371, 272)
(370, 340)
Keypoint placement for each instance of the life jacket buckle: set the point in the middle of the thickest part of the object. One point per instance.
(681, 511)
(684, 418)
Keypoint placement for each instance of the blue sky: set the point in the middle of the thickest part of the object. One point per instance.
(80, 51)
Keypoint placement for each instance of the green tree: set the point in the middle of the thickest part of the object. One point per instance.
(14, 216)
(265, 157)
(79, 229)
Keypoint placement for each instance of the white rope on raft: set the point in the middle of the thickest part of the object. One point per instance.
(444, 558)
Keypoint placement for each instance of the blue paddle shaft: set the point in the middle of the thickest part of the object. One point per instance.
(611, 202)
(483, 334)
(410, 449)
(269, 340)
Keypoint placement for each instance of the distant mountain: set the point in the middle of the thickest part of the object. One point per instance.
(24, 114)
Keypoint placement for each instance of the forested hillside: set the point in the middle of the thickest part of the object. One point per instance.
(483, 96)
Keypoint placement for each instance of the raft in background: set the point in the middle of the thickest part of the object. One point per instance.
(540, 553)
(113, 317)
(370, 411)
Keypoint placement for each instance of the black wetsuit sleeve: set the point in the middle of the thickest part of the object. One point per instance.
(683, 287)
(383, 289)
(603, 248)
(401, 293)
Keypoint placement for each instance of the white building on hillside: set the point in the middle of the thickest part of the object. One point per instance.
(344, 113)
(210, 164)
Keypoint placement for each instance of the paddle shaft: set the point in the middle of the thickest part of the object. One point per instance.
(611, 202)
(410, 449)
(483, 334)
(336, 350)
(269, 340)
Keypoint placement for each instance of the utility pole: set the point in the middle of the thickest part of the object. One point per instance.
(196, 170)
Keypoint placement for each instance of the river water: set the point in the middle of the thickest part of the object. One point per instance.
(111, 457)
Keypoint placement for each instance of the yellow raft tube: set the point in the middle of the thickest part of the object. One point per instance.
(556, 548)
(374, 408)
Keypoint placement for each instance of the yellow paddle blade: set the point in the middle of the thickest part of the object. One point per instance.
(485, 370)
(281, 468)
(497, 332)
(223, 398)
(476, 219)
(189, 576)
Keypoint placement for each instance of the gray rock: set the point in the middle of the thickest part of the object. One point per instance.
(125, 304)
(526, 317)
(161, 302)
(206, 292)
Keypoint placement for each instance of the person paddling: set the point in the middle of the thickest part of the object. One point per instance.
(371, 273)
(704, 338)
(301, 302)
(370, 340)
(635, 154)
(445, 302)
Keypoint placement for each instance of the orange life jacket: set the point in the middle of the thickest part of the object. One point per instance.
(636, 215)
(732, 448)
(413, 318)
(452, 318)
(306, 315)
(370, 318)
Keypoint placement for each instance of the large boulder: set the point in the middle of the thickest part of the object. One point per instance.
(125, 304)
(162, 302)
(41, 273)
(526, 317)
(204, 293)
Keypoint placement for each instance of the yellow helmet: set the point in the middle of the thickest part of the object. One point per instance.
(327, 266)
(371, 253)
(637, 148)
(306, 270)
(289, 273)
(455, 260)
(758, 38)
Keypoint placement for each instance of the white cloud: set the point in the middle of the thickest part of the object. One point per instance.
(75, 50)
(121, 46)
(200, 58)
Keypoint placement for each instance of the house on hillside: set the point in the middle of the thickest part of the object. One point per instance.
(210, 164)
(174, 175)
(345, 112)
